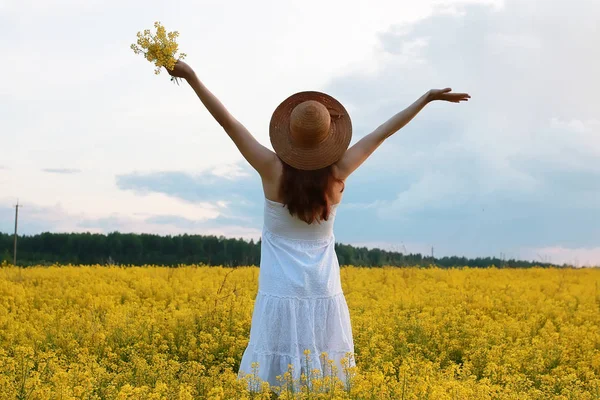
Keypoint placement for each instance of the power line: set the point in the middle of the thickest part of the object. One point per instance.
(16, 225)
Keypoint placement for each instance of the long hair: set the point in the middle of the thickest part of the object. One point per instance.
(305, 192)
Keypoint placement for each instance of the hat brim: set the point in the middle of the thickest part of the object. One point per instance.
(329, 151)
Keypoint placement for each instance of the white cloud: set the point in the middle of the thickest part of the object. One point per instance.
(230, 171)
(577, 257)
(517, 164)
(77, 94)
(103, 200)
(62, 170)
(435, 189)
(34, 218)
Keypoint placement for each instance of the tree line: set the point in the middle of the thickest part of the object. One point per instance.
(148, 249)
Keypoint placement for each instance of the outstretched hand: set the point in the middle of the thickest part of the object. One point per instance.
(181, 70)
(447, 95)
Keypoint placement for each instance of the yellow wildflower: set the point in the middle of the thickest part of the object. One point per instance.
(160, 48)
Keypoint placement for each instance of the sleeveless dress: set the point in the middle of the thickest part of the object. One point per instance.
(300, 303)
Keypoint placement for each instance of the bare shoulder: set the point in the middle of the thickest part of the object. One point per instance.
(338, 172)
(272, 180)
(338, 185)
(339, 169)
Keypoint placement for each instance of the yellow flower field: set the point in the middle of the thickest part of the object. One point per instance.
(96, 332)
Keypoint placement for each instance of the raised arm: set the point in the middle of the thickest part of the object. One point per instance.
(361, 150)
(263, 160)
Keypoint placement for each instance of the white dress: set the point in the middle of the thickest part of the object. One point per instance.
(300, 304)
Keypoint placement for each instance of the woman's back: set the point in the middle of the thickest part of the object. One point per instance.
(297, 259)
(279, 221)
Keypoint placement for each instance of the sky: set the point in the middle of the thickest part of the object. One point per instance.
(92, 140)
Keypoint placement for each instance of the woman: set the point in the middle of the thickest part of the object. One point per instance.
(300, 304)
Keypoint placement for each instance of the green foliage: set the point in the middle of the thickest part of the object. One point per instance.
(141, 249)
(7, 257)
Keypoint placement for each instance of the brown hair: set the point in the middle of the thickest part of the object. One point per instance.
(305, 192)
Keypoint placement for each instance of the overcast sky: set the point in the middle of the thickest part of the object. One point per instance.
(92, 140)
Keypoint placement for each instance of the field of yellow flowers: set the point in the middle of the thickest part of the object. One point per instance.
(98, 332)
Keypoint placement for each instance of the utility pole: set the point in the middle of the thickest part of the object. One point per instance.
(16, 224)
(432, 252)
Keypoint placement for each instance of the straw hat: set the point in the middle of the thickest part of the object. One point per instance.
(310, 130)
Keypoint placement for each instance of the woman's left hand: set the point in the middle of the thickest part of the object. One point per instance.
(447, 95)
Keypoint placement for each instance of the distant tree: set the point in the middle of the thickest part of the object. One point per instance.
(6, 257)
(139, 249)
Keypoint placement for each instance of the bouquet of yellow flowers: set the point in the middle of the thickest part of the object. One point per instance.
(160, 48)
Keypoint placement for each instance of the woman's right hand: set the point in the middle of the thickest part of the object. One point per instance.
(181, 70)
